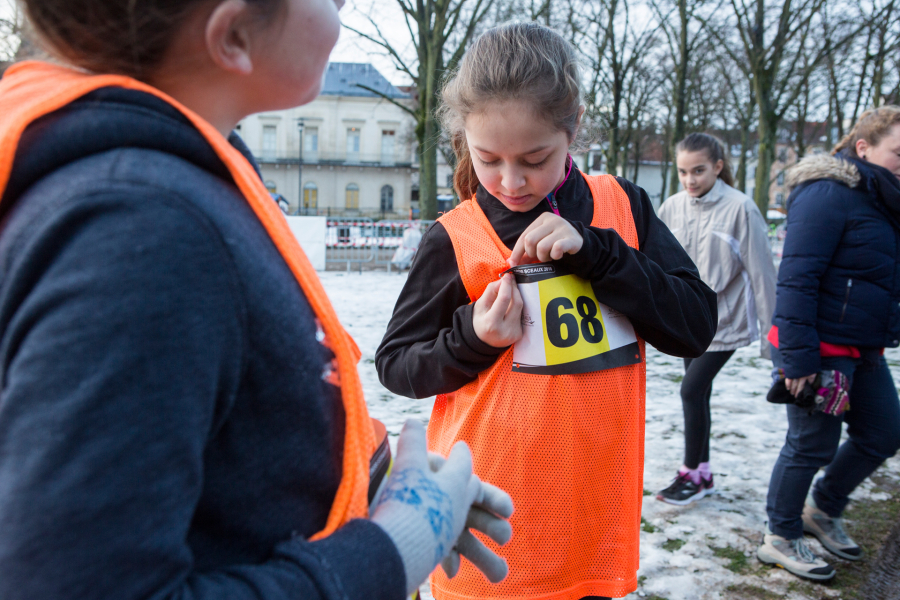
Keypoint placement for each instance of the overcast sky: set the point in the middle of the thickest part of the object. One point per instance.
(352, 48)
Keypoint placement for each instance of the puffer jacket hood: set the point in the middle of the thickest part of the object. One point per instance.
(822, 166)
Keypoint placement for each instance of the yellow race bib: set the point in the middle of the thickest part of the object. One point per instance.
(566, 330)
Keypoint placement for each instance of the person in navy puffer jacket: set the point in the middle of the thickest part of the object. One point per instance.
(837, 308)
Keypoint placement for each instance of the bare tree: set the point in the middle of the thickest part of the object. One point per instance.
(439, 30)
(683, 35)
(740, 105)
(11, 23)
(612, 48)
(887, 42)
(773, 38)
(639, 89)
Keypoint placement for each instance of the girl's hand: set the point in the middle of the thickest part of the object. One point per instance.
(497, 316)
(795, 386)
(548, 238)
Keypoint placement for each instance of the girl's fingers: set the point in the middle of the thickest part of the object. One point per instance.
(516, 303)
(489, 297)
(562, 247)
(504, 297)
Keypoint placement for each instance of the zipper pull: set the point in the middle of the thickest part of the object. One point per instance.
(552, 200)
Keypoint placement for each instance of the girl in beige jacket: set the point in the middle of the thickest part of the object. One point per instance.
(724, 233)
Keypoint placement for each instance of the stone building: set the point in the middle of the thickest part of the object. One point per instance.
(356, 151)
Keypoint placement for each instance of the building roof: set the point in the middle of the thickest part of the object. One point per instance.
(341, 79)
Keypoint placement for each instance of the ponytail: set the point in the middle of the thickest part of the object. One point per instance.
(872, 126)
(714, 149)
(465, 181)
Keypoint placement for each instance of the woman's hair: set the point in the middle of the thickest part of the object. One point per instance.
(515, 61)
(126, 37)
(872, 126)
(714, 149)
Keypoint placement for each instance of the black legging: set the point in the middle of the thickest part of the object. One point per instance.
(696, 389)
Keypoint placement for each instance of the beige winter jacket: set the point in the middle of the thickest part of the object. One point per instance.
(725, 235)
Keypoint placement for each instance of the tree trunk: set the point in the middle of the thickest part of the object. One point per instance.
(428, 172)
(884, 580)
(680, 90)
(666, 160)
(768, 125)
(429, 88)
(742, 163)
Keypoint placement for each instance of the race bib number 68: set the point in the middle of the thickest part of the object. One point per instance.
(566, 330)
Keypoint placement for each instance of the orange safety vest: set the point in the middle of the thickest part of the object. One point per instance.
(569, 449)
(31, 90)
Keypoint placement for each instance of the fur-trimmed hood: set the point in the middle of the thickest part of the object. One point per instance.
(822, 166)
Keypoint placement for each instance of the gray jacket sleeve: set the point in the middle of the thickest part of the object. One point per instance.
(756, 256)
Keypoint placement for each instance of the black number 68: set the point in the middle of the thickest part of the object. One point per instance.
(555, 318)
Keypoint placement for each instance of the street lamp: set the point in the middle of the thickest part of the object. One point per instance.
(300, 168)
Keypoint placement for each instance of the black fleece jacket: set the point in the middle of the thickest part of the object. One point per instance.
(431, 348)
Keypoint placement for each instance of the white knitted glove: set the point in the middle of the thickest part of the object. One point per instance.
(424, 511)
(489, 513)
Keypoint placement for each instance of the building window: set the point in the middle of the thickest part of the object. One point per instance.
(387, 199)
(310, 195)
(352, 197)
(269, 140)
(782, 155)
(387, 146)
(780, 178)
(311, 140)
(450, 180)
(353, 144)
(270, 185)
(779, 199)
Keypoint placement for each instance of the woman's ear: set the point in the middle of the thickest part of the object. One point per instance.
(861, 147)
(228, 36)
(720, 164)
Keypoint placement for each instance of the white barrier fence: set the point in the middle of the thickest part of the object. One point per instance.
(366, 242)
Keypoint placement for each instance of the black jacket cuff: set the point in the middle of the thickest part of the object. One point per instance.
(480, 351)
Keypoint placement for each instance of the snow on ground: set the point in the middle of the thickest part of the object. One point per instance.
(677, 543)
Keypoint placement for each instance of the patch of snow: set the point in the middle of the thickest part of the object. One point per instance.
(747, 434)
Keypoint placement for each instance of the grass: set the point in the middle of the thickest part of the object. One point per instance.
(868, 523)
(647, 492)
(675, 377)
(673, 545)
(746, 591)
(641, 580)
(648, 526)
(737, 562)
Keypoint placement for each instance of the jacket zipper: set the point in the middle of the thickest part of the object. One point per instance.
(552, 200)
(846, 300)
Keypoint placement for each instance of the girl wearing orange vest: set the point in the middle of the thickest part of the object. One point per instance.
(567, 447)
(180, 414)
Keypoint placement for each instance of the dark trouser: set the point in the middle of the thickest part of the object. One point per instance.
(696, 390)
(873, 427)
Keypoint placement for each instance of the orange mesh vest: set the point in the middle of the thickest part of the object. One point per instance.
(30, 90)
(569, 449)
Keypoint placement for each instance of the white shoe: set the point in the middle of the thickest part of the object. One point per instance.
(830, 532)
(793, 556)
